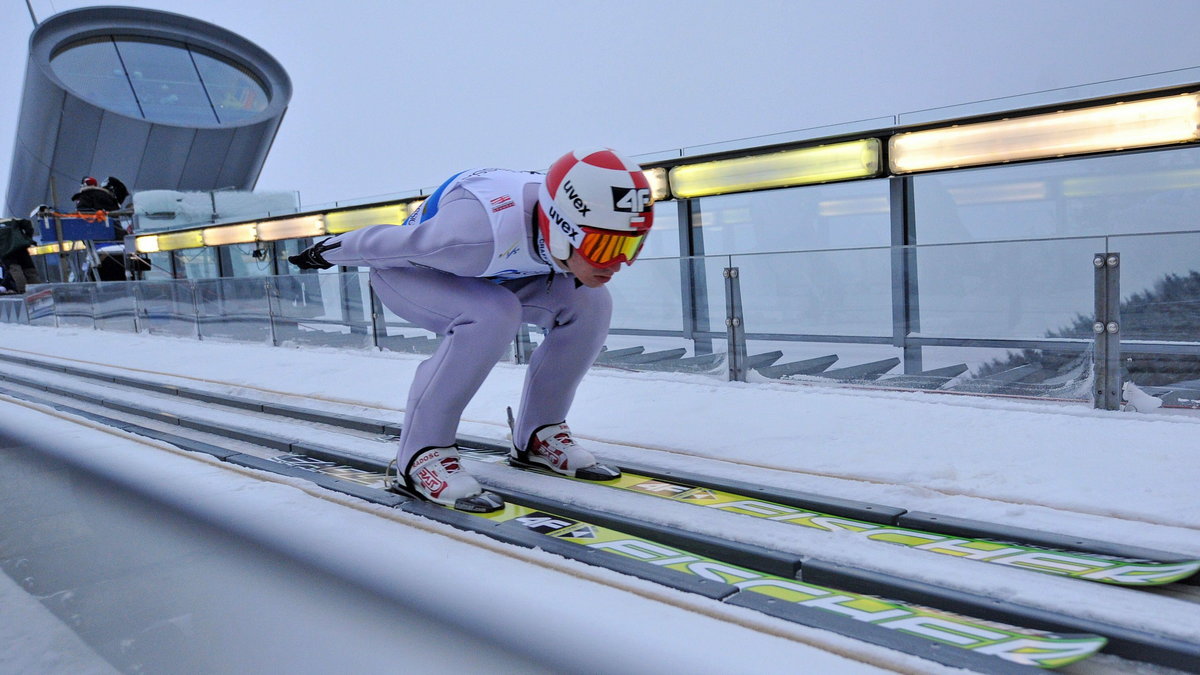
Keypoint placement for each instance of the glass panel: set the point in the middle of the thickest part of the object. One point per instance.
(840, 215)
(663, 241)
(93, 71)
(1016, 290)
(286, 248)
(39, 304)
(791, 301)
(166, 83)
(233, 309)
(1062, 372)
(649, 330)
(73, 304)
(401, 336)
(114, 308)
(1115, 87)
(846, 292)
(843, 129)
(1125, 194)
(249, 260)
(196, 263)
(234, 93)
(1160, 315)
(313, 309)
(160, 265)
(167, 307)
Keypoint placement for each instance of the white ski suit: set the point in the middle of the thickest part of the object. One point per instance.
(470, 265)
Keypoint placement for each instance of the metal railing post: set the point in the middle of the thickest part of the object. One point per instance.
(378, 323)
(1107, 327)
(272, 298)
(734, 326)
(522, 345)
(195, 307)
(92, 300)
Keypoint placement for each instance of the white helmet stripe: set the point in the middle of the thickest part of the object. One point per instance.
(564, 233)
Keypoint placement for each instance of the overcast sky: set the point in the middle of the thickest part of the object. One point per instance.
(395, 95)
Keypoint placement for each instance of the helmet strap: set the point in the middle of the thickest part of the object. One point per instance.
(539, 241)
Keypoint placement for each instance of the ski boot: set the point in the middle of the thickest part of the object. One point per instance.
(436, 475)
(310, 258)
(551, 447)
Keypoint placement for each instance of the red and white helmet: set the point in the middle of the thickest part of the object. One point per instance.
(598, 196)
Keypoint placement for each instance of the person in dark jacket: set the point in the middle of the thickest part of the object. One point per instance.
(15, 241)
(92, 197)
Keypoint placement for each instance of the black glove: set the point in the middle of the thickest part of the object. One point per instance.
(310, 258)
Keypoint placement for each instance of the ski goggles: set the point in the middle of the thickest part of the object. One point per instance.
(605, 248)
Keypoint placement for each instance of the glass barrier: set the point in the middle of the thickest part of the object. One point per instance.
(73, 303)
(1160, 314)
(1139, 193)
(166, 307)
(832, 216)
(232, 309)
(196, 263)
(1161, 80)
(115, 309)
(398, 335)
(654, 329)
(248, 260)
(1003, 317)
(1014, 317)
(838, 292)
(817, 315)
(1012, 290)
(842, 129)
(312, 309)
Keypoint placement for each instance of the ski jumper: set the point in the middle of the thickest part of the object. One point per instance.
(471, 266)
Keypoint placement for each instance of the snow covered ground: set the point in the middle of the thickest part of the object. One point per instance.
(1124, 477)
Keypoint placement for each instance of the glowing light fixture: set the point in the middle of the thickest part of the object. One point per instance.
(229, 234)
(291, 228)
(147, 244)
(822, 164)
(172, 241)
(55, 247)
(337, 222)
(659, 188)
(1137, 124)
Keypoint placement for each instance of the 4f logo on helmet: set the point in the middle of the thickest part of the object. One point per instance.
(632, 200)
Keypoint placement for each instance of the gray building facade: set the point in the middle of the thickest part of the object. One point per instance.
(156, 99)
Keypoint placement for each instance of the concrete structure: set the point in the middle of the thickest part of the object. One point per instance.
(159, 100)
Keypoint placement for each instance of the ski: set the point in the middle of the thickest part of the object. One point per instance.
(1085, 566)
(787, 598)
(1010, 643)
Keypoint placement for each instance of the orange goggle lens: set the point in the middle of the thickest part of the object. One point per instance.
(604, 248)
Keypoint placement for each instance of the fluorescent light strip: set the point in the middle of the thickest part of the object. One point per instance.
(291, 228)
(229, 234)
(337, 222)
(840, 161)
(1138, 124)
(659, 188)
(147, 244)
(173, 241)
